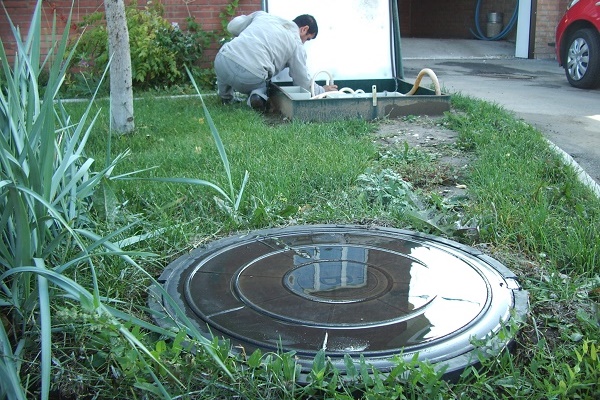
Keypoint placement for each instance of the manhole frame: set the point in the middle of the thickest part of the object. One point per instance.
(452, 364)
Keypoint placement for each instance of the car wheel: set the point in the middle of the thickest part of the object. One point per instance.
(582, 64)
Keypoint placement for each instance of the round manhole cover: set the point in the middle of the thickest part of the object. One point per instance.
(376, 293)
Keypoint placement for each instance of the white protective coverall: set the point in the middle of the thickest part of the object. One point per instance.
(263, 45)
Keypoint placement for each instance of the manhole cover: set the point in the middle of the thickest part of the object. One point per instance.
(371, 292)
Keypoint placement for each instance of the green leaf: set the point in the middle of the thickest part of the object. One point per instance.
(9, 369)
(351, 372)
(255, 358)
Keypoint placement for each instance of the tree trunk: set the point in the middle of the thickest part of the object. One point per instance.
(121, 92)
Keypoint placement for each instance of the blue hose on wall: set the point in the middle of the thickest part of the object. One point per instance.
(501, 35)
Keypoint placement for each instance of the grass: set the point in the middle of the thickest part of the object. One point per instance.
(289, 164)
(82, 241)
(532, 213)
(535, 202)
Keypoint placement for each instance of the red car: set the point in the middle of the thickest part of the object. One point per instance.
(578, 43)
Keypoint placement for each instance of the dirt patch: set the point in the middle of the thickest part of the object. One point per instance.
(430, 136)
(426, 134)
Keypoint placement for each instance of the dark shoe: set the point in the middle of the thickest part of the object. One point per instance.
(258, 103)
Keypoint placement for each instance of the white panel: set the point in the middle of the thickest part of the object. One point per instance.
(523, 29)
(354, 40)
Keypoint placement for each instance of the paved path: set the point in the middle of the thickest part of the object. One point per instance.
(535, 90)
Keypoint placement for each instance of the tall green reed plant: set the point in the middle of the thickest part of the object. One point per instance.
(48, 231)
(229, 199)
(234, 197)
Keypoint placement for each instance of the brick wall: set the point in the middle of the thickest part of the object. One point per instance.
(418, 18)
(21, 11)
(548, 13)
(206, 13)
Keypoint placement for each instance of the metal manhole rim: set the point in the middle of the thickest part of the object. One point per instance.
(381, 358)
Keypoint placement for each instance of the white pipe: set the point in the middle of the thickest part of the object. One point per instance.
(413, 90)
(312, 81)
(345, 90)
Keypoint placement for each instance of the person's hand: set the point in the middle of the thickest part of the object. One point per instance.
(330, 88)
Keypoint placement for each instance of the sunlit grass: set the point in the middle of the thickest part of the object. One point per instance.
(527, 203)
(88, 308)
(528, 198)
(293, 161)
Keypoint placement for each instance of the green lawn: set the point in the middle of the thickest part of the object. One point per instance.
(531, 212)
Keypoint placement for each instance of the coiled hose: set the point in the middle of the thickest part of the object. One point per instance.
(479, 34)
(413, 90)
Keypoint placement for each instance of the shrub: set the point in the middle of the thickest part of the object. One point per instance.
(159, 50)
